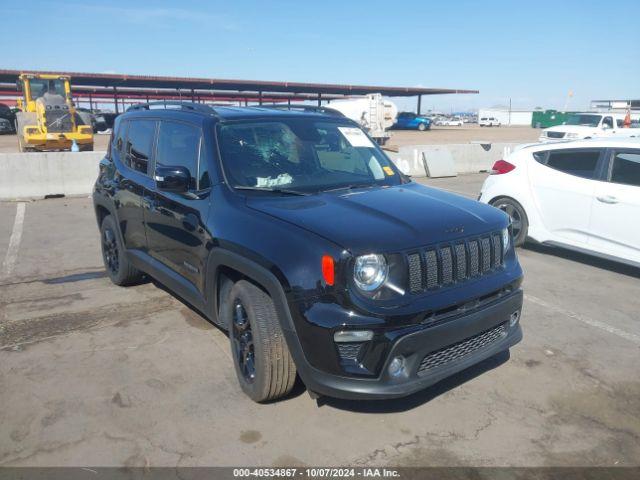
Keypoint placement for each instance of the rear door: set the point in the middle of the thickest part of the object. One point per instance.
(563, 183)
(133, 154)
(615, 220)
(176, 221)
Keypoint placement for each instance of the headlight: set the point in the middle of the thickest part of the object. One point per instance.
(506, 241)
(370, 272)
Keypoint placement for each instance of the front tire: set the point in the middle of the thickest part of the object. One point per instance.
(118, 267)
(422, 127)
(519, 220)
(261, 358)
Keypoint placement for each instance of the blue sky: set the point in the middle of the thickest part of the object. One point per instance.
(532, 52)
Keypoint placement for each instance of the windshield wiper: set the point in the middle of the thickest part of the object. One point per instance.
(350, 186)
(285, 191)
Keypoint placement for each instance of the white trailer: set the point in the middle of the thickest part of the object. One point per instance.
(506, 116)
(372, 112)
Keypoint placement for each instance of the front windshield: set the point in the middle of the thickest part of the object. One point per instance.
(40, 86)
(302, 154)
(584, 120)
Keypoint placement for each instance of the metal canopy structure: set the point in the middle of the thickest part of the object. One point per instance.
(144, 87)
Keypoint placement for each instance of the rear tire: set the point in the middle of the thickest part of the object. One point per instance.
(261, 358)
(118, 267)
(519, 220)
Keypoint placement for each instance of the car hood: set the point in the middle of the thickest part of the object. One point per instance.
(384, 219)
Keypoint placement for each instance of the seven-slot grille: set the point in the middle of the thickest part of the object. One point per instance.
(461, 349)
(434, 267)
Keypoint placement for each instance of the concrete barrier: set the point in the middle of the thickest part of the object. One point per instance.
(467, 157)
(37, 175)
(26, 176)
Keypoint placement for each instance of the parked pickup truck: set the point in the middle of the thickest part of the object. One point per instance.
(591, 125)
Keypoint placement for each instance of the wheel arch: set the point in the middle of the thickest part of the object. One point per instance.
(103, 209)
(224, 265)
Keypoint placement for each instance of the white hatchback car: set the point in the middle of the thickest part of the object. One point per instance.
(582, 195)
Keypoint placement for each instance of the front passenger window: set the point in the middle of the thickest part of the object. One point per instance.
(581, 163)
(626, 168)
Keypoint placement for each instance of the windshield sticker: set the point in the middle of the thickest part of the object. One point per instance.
(355, 137)
(389, 171)
(282, 179)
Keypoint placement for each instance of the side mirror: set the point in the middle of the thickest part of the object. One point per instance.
(605, 126)
(172, 179)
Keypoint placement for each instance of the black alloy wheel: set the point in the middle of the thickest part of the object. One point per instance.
(110, 251)
(243, 342)
(519, 221)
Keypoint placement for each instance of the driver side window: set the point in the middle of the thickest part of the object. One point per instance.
(179, 145)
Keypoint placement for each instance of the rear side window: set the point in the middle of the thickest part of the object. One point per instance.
(139, 146)
(580, 163)
(119, 138)
(179, 145)
(541, 157)
(626, 168)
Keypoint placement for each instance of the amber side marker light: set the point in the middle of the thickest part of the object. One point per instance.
(328, 270)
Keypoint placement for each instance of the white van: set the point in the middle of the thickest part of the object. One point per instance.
(489, 122)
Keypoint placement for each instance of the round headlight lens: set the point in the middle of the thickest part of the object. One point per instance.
(506, 240)
(370, 272)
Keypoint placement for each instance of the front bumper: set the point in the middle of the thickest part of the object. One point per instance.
(431, 353)
(56, 141)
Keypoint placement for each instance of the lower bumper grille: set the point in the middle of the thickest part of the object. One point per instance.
(461, 349)
(349, 351)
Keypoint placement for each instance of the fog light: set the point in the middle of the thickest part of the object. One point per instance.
(396, 367)
(515, 316)
(353, 336)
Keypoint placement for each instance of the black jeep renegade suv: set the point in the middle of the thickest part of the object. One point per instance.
(295, 233)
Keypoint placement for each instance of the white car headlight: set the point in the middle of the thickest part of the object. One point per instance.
(506, 241)
(370, 272)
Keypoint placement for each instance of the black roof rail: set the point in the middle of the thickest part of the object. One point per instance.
(307, 108)
(191, 106)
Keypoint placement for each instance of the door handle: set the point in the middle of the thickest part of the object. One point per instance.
(608, 199)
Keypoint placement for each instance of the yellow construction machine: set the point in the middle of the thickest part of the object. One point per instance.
(48, 119)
